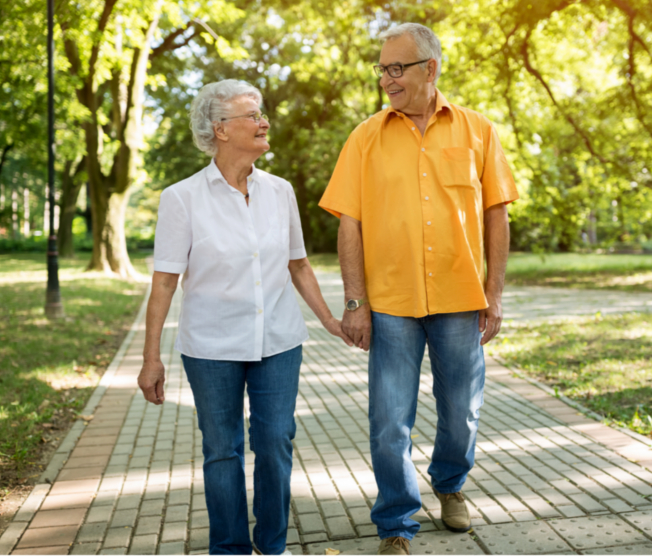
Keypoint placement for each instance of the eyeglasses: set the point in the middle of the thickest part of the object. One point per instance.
(253, 117)
(394, 70)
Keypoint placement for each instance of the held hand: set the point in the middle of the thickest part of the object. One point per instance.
(334, 326)
(357, 326)
(491, 318)
(151, 379)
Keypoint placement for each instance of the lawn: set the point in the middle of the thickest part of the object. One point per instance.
(573, 270)
(605, 363)
(569, 270)
(49, 369)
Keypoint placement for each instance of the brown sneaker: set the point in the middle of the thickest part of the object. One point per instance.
(454, 512)
(394, 545)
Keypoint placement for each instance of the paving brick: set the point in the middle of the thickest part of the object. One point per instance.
(148, 525)
(48, 536)
(172, 548)
(177, 513)
(152, 507)
(144, 544)
(199, 538)
(311, 523)
(57, 518)
(43, 550)
(10, 536)
(124, 518)
(199, 519)
(117, 537)
(596, 532)
(176, 531)
(67, 501)
(92, 533)
(86, 548)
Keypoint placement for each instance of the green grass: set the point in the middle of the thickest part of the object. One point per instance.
(48, 369)
(575, 270)
(570, 270)
(605, 363)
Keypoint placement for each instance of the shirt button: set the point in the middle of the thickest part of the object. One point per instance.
(423, 150)
(260, 311)
(255, 254)
(258, 282)
(428, 222)
(429, 248)
(412, 129)
(424, 174)
(430, 274)
(427, 198)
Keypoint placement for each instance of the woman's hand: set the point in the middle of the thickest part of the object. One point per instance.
(334, 326)
(151, 379)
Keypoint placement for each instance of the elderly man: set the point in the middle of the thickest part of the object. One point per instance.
(421, 190)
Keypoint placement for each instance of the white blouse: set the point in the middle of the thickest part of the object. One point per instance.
(238, 300)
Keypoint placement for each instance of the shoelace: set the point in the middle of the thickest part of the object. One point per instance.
(457, 495)
(400, 543)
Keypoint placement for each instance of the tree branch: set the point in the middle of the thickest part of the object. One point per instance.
(537, 75)
(169, 44)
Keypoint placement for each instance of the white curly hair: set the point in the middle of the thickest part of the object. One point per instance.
(211, 104)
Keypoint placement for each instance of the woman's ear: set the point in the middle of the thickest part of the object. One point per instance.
(220, 132)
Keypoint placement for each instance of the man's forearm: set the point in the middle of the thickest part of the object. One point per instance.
(351, 255)
(497, 247)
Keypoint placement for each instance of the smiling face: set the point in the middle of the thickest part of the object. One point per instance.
(243, 135)
(412, 92)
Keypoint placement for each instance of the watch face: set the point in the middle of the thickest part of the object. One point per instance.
(351, 304)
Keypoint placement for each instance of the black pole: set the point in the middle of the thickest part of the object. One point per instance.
(53, 305)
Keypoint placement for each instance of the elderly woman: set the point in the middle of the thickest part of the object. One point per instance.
(234, 233)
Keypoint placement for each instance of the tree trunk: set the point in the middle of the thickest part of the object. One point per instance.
(70, 187)
(110, 195)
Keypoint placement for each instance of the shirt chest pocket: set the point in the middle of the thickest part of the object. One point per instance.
(456, 167)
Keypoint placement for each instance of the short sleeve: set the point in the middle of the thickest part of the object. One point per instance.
(497, 181)
(343, 194)
(297, 247)
(173, 237)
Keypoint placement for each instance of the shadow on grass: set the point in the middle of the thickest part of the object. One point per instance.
(603, 363)
(48, 369)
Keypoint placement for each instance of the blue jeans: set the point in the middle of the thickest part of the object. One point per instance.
(396, 352)
(218, 388)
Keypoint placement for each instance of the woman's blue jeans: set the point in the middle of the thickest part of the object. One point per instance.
(218, 387)
(396, 353)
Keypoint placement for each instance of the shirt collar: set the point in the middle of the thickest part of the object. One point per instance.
(215, 176)
(442, 104)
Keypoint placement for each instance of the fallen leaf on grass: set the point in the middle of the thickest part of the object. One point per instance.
(87, 417)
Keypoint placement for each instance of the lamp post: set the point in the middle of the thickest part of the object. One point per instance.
(53, 305)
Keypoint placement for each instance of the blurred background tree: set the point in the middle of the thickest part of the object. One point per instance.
(568, 84)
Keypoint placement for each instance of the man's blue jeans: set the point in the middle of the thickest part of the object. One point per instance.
(272, 385)
(396, 352)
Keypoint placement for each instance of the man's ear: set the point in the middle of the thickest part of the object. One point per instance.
(432, 69)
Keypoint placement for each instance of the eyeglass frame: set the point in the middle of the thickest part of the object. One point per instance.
(253, 117)
(383, 69)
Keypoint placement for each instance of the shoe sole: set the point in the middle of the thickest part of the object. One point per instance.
(456, 529)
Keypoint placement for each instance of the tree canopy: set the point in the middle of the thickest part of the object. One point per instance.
(566, 82)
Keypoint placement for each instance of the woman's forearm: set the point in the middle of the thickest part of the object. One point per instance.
(163, 287)
(305, 281)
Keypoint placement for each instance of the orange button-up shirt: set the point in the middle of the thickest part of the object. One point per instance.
(421, 202)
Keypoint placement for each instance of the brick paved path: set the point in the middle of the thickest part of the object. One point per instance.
(129, 479)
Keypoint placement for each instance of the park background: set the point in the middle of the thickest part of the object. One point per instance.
(567, 83)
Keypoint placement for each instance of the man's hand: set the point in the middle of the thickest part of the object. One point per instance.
(151, 379)
(491, 318)
(357, 326)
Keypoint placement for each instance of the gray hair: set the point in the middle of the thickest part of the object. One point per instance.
(428, 44)
(211, 104)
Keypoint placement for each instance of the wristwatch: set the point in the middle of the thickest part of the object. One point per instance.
(353, 304)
